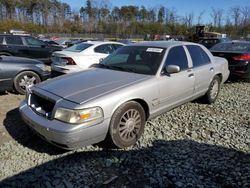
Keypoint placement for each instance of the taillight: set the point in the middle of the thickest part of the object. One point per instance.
(244, 57)
(70, 61)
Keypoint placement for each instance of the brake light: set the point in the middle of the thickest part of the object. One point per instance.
(244, 57)
(70, 61)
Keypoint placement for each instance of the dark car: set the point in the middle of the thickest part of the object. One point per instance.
(27, 46)
(238, 56)
(17, 73)
(210, 42)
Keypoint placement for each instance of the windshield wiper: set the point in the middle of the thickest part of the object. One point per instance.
(99, 65)
(122, 69)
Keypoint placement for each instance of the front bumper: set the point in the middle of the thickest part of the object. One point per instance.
(51, 130)
(45, 75)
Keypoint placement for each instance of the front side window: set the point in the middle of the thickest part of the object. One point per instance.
(14, 40)
(116, 46)
(177, 56)
(104, 49)
(33, 42)
(137, 59)
(198, 55)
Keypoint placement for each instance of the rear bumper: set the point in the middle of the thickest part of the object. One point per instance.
(69, 138)
(241, 69)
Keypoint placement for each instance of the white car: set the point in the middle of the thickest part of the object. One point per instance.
(81, 56)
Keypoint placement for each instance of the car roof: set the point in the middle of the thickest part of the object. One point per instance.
(162, 44)
(15, 35)
(236, 42)
(102, 42)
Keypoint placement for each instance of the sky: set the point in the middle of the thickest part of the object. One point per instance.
(183, 7)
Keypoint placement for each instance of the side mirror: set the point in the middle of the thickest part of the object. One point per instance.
(170, 69)
(43, 45)
(101, 59)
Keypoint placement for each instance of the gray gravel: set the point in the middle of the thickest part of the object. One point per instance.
(195, 145)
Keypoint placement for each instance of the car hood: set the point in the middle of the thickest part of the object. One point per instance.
(86, 85)
(19, 60)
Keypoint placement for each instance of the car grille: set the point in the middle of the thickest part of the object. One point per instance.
(41, 105)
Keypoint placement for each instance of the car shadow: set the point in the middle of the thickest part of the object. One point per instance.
(176, 163)
(20, 132)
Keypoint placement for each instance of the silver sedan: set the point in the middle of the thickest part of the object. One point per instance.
(111, 101)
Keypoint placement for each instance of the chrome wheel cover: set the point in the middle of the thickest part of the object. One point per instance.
(129, 125)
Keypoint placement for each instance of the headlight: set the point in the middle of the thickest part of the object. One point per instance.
(78, 116)
(44, 67)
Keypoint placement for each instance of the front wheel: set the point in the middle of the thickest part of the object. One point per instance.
(213, 90)
(126, 126)
(25, 79)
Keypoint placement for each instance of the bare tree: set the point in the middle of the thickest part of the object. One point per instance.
(188, 20)
(217, 15)
(245, 12)
(200, 16)
(235, 14)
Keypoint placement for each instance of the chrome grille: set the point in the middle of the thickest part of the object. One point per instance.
(41, 105)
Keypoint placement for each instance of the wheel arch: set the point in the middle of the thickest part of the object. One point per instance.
(140, 101)
(220, 76)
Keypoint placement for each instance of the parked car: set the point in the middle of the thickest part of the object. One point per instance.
(111, 101)
(81, 56)
(27, 46)
(238, 56)
(210, 42)
(17, 73)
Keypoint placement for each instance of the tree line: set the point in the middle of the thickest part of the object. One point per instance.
(53, 16)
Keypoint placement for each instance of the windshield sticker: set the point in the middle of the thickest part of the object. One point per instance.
(157, 50)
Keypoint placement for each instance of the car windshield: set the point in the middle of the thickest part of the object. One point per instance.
(232, 47)
(78, 47)
(137, 59)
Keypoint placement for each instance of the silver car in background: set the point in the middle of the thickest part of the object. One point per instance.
(111, 101)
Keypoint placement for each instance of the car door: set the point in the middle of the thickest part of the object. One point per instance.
(15, 46)
(178, 87)
(38, 49)
(5, 77)
(202, 67)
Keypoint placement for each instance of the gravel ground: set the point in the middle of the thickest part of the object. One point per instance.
(195, 145)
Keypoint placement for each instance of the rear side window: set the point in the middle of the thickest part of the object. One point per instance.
(198, 55)
(104, 49)
(177, 56)
(79, 47)
(14, 40)
(1, 39)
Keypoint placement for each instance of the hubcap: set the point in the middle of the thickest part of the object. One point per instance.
(214, 89)
(129, 124)
(27, 81)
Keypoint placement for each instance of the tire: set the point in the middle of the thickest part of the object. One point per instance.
(213, 90)
(25, 79)
(126, 126)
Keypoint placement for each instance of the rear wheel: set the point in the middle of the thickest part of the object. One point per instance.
(213, 90)
(25, 79)
(126, 126)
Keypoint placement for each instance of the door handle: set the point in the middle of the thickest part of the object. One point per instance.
(191, 75)
(212, 69)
